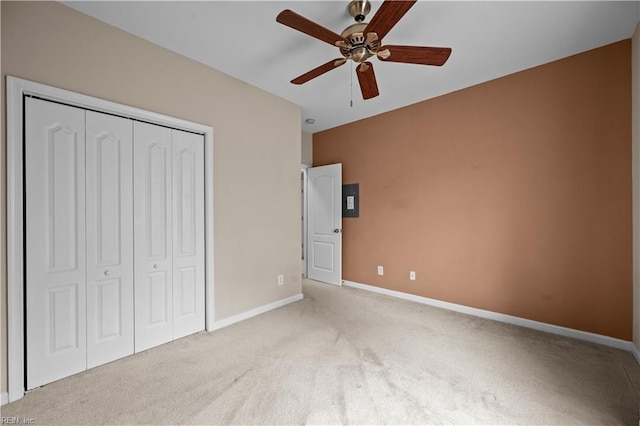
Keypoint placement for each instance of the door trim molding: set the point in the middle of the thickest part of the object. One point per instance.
(305, 248)
(16, 90)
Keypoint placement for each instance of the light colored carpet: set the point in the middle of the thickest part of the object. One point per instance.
(345, 356)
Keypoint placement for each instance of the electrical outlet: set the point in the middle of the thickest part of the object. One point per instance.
(412, 275)
(380, 270)
(280, 279)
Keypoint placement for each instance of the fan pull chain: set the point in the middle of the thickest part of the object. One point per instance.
(351, 74)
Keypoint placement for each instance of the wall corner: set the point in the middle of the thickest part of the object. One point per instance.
(307, 149)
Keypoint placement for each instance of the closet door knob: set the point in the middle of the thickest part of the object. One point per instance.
(155, 266)
(107, 272)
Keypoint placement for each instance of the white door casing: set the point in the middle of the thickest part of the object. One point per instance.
(188, 232)
(109, 199)
(324, 225)
(55, 241)
(152, 236)
(303, 171)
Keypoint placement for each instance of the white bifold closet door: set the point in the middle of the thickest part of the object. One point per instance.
(109, 198)
(114, 238)
(188, 233)
(153, 236)
(79, 240)
(169, 234)
(55, 241)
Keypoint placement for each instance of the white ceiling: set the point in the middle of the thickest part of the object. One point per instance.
(489, 40)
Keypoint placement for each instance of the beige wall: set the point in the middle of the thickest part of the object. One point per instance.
(256, 167)
(512, 196)
(635, 82)
(307, 148)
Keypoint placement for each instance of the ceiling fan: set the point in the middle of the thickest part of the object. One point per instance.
(362, 40)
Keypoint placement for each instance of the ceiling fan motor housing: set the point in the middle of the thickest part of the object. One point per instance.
(358, 50)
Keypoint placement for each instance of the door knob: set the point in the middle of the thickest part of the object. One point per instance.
(337, 230)
(155, 266)
(107, 272)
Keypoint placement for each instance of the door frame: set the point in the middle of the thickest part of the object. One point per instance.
(303, 170)
(16, 91)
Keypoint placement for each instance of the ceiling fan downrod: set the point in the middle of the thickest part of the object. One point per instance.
(359, 9)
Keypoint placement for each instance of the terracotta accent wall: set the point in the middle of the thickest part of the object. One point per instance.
(512, 196)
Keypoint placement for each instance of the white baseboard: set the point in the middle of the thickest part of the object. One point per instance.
(635, 352)
(509, 319)
(257, 311)
(5, 398)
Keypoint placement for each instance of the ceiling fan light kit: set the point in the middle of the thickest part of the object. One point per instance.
(361, 41)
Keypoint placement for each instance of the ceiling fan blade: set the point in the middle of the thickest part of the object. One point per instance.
(415, 54)
(302, 24)
(387, 16)
(367, 80)
(334, 63)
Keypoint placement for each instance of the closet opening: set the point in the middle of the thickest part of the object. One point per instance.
(83, 247)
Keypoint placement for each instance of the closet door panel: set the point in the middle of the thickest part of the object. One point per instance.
(109, 183)
(55, 241)
(153, 243)
(188, 233)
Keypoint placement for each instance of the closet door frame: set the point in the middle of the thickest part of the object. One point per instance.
(17, 90)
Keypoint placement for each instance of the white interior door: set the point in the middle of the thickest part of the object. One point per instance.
(188, 233)
(109, 199)
(152, 236)
(324, 223)
(55, 241)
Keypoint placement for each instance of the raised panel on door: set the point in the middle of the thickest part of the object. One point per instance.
(324, 197)
(153, 245)
(109, 168)
(55, 241)
(188, 233)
